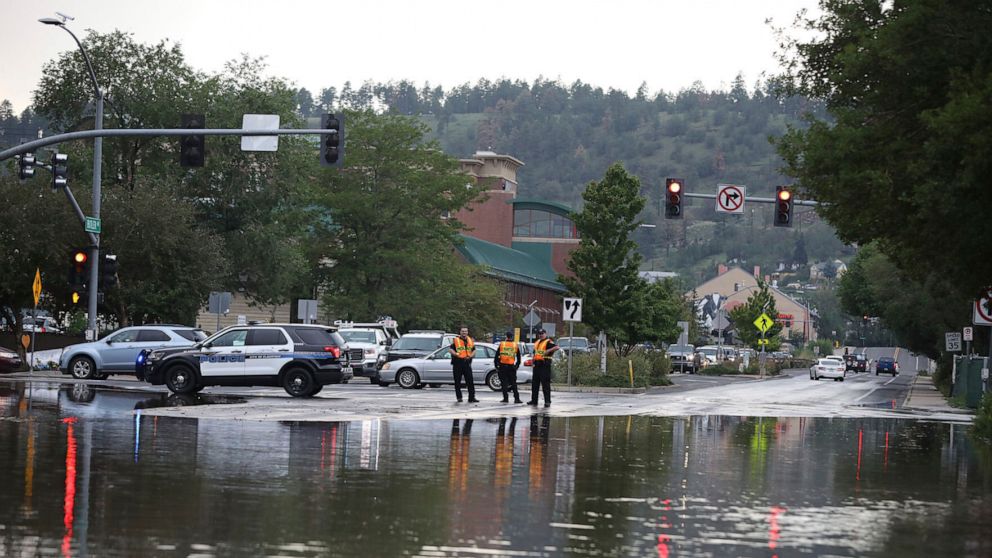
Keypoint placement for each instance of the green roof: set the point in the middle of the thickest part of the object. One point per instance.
(512, 265)
(552, 207)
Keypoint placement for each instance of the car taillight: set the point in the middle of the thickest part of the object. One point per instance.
(336, 351)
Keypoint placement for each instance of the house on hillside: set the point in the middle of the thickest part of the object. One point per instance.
(733, 286)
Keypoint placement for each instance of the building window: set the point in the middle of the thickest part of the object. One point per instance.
(542, 224)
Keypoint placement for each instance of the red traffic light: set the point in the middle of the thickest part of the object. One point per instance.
(79, 257)
(674, 187)
(784, 195)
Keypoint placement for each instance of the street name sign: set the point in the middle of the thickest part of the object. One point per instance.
(729, 198)
(572, 310)
(763, 323)
(93, 225)
(952, 340)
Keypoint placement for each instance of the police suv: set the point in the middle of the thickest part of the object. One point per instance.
(300, 358)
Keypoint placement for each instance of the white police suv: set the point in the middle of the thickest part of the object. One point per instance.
(300, 358)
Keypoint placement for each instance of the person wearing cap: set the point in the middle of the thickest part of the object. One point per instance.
(507, 362)
(544, 348)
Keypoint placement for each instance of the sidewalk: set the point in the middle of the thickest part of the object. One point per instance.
(924, 396)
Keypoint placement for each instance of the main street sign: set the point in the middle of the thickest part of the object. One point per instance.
(729, 198)
(764, 323)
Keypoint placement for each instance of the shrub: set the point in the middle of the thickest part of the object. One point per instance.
(982, 427)
(650, 369)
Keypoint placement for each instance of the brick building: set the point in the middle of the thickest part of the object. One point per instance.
(525, 243)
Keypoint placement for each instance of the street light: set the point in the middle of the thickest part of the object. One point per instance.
(97, 172)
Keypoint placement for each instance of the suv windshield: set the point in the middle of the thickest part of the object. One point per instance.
(416, 344)
(355, 336)
(574, 342)
(680, 348)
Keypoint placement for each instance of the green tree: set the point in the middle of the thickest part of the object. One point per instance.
(908, 134)
(606, 262)
(385, 242)
(743, 316)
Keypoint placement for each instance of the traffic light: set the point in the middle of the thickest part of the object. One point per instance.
(60, 171)
(78, 274)
(783, 206)
(191, 148)
(673, 198)
(25, 166)
(332, 144)
(108, 271)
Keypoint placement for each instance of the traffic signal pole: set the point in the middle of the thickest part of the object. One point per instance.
(94, 284)
(752, 199)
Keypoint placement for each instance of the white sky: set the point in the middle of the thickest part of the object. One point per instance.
(621, 43)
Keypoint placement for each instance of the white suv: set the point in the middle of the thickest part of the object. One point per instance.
(367, 345)
(300, 358)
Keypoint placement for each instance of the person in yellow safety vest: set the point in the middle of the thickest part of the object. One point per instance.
(462, 350)
(507, 362)
(543, 350)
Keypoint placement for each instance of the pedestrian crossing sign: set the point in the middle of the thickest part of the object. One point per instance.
(763, 323)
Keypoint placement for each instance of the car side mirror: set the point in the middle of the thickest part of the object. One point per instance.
(207, 345)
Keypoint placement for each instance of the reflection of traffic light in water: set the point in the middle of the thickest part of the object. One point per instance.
(538, 451)
(504, 453)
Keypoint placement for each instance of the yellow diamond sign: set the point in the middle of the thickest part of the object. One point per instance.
(36, 287)
(763, 323)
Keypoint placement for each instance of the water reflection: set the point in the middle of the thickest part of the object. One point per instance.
(109, 481)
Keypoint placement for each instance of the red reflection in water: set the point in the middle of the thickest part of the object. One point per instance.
(70, 487)
(664, 539)
(885, 462)
(774, 531)
(861, 435)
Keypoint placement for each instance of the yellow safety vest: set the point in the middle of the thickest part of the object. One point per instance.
(507, 352)
(463, 349)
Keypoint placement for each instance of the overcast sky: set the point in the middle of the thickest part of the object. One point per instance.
(315, 44)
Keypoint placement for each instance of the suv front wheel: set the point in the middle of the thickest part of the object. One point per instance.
(82, 368)
(180, 379)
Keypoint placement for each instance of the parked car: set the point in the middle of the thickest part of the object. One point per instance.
(41, 324)
(435, 369)
(116, 353)
(418, 343)
(368, 344)
(9, 361)
(302, 358)
(856, 363)
(683, 358)
(828, 368)
(577, 344)
(887, 365)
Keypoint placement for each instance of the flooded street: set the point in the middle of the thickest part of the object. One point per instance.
(89, 474)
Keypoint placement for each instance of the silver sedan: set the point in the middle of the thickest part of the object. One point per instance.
(435, 369)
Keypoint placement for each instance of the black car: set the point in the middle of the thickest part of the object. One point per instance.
(9, 361)
(300, 358)
(856, 363)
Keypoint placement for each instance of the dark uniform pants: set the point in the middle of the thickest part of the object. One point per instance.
(463, 369)
(508, 380)
(542, 380)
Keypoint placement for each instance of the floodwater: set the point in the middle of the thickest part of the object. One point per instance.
(85, 474)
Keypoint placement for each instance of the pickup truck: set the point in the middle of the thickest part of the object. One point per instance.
(683, 358)
(886, 365)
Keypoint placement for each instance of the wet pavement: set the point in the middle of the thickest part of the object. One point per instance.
(93, 473)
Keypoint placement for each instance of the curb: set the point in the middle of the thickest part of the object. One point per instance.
(595, 389)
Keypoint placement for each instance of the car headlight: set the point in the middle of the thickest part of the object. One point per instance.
(369, 351)
(153, 357)
(385, 366)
